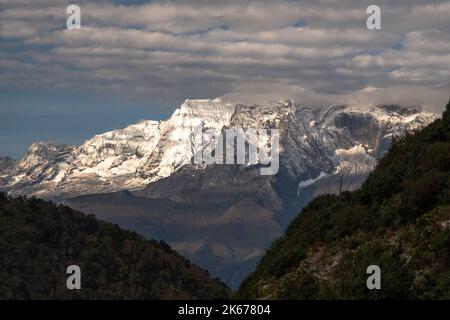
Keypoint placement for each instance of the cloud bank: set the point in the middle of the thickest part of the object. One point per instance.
(317, 52)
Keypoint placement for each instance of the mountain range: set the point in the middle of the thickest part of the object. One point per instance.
(222, 217)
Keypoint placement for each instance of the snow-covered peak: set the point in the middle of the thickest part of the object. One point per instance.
(312, 141)
(44, 152)
(212, 112)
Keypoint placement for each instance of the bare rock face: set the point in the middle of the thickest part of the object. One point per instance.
(220, 216)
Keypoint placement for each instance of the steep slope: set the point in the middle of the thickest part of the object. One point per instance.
(399, 220)
(39, 240)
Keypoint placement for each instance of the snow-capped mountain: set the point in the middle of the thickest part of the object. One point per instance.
(314, 144)
(222, 217)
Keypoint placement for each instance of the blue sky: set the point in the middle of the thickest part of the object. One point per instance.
(63, 117)
(135, 60)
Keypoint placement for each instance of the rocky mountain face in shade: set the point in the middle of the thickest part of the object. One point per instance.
(220, 216)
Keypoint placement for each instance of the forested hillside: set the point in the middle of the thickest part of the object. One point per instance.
(399, 220)
(39, 240)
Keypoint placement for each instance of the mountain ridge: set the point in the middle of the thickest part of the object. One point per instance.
(147, 151)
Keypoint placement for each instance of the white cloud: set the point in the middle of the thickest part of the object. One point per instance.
(317, 51)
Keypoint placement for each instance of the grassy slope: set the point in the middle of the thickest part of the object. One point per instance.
(399, 219)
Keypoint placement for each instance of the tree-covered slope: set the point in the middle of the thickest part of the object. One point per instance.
(39, 240)
(399, 220)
